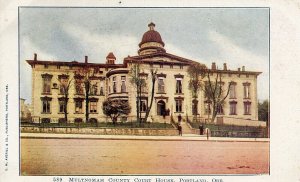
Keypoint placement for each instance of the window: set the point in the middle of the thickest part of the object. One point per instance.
(207, 106)
(144, 85)
(47, 84)
(246, 90)
(178, 105)
(247, 108)
(46, 106)
(63, 85)
(78, 87)
(114, 85)
(220, 109)
(78, 106)
(93, 106)
(62, 106)
(232, 94)
(195, 107)
(178, 86)
(161, 85)
(123, 85)
(94, 89)
(143, 105)
(101, 88)
(232, 108)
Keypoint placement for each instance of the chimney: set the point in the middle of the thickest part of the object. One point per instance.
(213, 66)
(243, 68)
(239, 69)
(225, 66)
(35, 56)
(86, 59)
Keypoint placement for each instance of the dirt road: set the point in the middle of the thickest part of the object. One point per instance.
(96, 157)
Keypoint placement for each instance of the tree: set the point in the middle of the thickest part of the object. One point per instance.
(153, 80)
(263, 110)
(214, 92)
(196, 73)
(65, 84)
(115, 108)
(138, 83)
(263, 113)
(83, 78)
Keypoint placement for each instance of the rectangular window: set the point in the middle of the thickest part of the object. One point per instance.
(247, 108)
(232, 108)
(63, 85)
(93, 106)
(123, 85)
(114, 85)
(94, 89)
(161, 85)
(78, 106)
(143, 105)
(232, 94)
(178, 105)
(220, 110)
(78, 87)
(144, 85)
(207, 108)
(101, 88)
(62, 106)
(46, 106)
(247, 91)
(178, 86)
(47, 85)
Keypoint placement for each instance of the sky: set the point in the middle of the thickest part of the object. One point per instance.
(237, 36)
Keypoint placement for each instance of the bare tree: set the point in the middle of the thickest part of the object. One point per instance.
(196, 73)
(153, 80)
(84, 74)
(214, 91)
(138, 83)
(65, 84)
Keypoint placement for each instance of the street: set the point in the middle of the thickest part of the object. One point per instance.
(97, 157)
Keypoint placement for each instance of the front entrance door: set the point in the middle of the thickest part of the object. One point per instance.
(161, 108)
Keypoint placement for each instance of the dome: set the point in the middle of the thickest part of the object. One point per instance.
(151, 36)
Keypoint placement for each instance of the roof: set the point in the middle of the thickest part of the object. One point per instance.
(151, 36)
(110, 56)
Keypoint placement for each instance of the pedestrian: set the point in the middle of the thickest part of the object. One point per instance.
(201, 129)
(180, 129)
(164, 114)
(179, 118)
(168, 112)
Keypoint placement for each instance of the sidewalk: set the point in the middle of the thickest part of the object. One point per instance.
(185, 137)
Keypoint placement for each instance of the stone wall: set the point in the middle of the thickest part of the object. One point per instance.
(101, 131)
(239, 122)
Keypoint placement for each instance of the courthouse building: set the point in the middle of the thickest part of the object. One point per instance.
(112, 81)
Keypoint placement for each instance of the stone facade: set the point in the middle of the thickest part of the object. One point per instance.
(112, 81)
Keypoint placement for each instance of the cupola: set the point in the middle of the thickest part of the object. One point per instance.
(151, 42)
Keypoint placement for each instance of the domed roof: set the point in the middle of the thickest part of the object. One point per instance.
(151, 36)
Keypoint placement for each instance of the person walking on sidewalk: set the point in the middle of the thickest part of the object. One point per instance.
(201, 129)
(179, 129)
